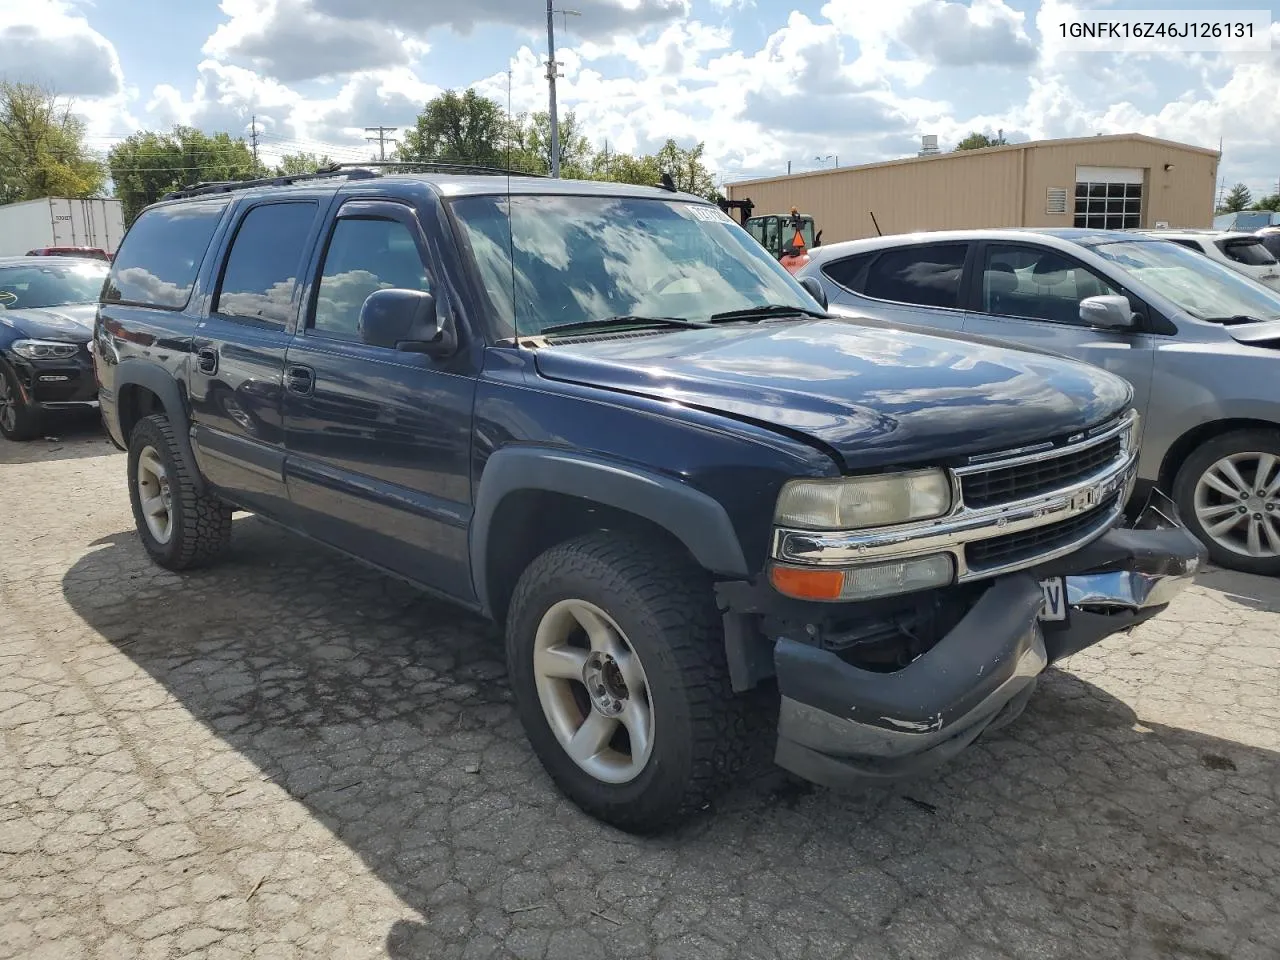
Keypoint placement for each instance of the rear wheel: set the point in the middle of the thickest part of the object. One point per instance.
(180, 527)
(18, 419)
(1228, 493)
(617, 663)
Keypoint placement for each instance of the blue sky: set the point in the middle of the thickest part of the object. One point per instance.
(762, 82)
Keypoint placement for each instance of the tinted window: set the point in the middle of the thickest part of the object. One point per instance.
(262, 267)
(1272, 242)
(1250, 252)
(928, 276)
(157, 263)
(849, 272)
(1038, 283)
(364, 256)
(1189, 244)
(58, 283)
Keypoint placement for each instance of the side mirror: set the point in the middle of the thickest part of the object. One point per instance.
(1107, 312)
(404, 320)
(813, 287)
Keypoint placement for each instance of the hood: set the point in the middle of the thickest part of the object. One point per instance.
(72, 322)
(874, 394)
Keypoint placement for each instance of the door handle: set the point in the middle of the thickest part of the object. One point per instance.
(207, 360)
(300, 380)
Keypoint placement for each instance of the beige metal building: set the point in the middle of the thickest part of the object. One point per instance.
(1111, 182)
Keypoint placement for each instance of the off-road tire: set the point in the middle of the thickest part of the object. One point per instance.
(26, 424)
(201, 523)
(1184, 486)
(665, 606)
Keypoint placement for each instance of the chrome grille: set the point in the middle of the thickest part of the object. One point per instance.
(1008, 484)
(1016, 548)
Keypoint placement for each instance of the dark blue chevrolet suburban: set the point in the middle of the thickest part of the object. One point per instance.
(604, 417)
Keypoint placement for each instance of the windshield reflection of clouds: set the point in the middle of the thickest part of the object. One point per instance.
(588, 258)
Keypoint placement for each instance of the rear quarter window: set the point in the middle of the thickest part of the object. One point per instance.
(161, 254)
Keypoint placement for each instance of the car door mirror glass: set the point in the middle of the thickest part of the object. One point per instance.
(1109, 312)
(404, 320)
(813, 286)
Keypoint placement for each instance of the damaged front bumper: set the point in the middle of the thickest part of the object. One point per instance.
(841, 725)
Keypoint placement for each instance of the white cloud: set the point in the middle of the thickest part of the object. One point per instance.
(46, 42)
(290, 41)
(598, 17)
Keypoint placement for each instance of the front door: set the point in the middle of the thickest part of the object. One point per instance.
(1031, 295)
(378, 440)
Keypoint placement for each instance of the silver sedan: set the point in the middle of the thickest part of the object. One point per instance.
(1198, 342)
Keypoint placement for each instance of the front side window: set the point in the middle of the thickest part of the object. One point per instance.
(548, 260)
(161, 254)
(61, 282)
(364, 256)
(264, 262)
(1037, 283)
(925, 276)
(1202, 287)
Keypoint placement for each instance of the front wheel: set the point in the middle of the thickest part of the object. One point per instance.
(617, 663)
(180, 527)
(1228, 493)
(18, 419)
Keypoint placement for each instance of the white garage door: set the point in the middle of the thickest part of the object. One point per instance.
(1108, 198)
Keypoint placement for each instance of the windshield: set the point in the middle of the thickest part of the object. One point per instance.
(1204, 289)
(584, 259)
(51, 285)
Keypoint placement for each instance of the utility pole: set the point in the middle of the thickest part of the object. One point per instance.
(381, 139)
(253, 137)
(552, 73)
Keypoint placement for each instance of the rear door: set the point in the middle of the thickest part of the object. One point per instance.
(914, 284)
(1031, 294)
(239, 350)
(379, 440)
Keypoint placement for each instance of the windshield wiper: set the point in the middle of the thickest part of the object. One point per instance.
(630, 320)
(765, 311)
(1238, 318)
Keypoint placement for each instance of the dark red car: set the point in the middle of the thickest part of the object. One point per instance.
(95, 253)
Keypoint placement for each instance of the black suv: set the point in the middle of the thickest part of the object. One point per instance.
(606, 418)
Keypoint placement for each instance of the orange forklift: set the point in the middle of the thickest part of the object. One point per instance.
(788, 237)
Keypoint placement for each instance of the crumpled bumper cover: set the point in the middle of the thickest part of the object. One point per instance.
(843, 726)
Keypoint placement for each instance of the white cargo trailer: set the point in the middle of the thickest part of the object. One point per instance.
(60, 222)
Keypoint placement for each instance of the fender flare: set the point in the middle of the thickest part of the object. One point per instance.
(691, 516)
(142, 373)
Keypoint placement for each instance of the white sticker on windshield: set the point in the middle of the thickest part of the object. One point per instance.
(707, 214)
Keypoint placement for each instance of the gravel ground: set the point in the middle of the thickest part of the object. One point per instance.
(291, 756)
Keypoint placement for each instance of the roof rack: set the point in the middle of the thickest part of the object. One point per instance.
(351, 171)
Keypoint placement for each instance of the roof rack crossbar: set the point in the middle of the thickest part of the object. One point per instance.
(444, 166)
(227, 186)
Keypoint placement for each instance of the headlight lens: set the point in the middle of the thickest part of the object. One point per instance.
(852, 503)
(45, 349)
(863, 582)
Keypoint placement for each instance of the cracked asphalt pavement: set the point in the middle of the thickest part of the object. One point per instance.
(291, 756)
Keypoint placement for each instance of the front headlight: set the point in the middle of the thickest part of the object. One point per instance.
(45, 349)
(853, 503)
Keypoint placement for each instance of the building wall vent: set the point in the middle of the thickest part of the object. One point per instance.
(1055, 203)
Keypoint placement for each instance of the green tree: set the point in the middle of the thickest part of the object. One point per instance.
(624, 168)
(42, 149)
(458, 128)
(687, 170)
(294, 164)
(1238, 198)
(147, 165)
(1271, 202)
(530, 145)
(976, 141)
